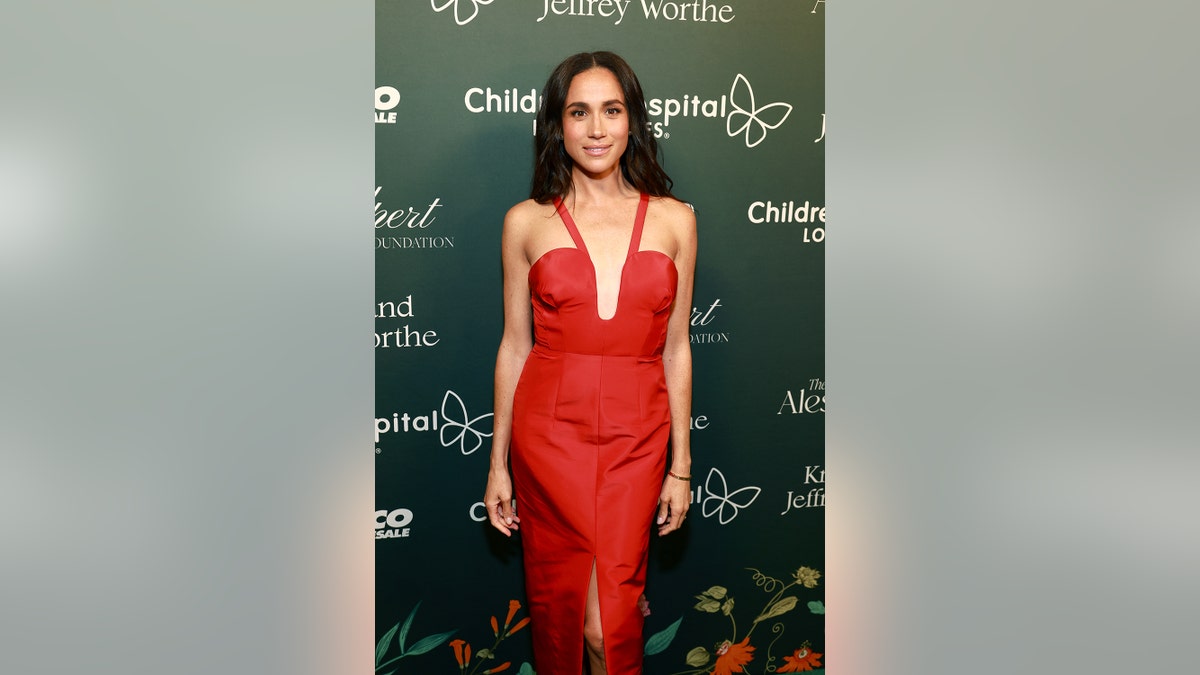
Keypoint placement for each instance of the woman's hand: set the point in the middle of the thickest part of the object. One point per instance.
(673, 504)
(502, 513)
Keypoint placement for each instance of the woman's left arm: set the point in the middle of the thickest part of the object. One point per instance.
(677, 363)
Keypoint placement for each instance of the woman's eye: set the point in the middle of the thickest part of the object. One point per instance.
(614, 111)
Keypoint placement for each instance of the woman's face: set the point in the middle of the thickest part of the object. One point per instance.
(595, 122)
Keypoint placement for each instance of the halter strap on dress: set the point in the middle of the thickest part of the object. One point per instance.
(634, 241)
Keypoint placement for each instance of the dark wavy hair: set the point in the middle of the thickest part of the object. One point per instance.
(551, 163)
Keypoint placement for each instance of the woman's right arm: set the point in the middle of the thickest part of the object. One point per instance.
(515, 344)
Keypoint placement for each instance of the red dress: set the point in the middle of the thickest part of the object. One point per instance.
(590, 429)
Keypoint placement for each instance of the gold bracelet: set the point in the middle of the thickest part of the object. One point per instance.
(672, 474)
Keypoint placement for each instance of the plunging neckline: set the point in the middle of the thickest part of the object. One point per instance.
(635, 239)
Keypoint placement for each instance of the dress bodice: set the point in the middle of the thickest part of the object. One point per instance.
(566, 315)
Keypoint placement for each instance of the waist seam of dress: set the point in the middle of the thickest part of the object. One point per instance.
(550, 352)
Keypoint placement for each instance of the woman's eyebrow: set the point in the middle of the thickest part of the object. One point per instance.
(581, 104)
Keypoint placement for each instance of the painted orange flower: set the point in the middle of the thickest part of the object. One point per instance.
(495, 627)
(513, 606)
(462, 652)
(731, 657)
(520, 624)
(800, 660)
(502, 666)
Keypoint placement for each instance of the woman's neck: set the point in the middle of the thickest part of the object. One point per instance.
(591, 190)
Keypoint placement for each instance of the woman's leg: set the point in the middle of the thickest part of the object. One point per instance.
(593, 632)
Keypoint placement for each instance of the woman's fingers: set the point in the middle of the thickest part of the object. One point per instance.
(672, 507)
(503, 516)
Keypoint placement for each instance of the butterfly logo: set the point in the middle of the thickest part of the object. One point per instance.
(454, 417)
(757, 120)
(723, 503)
(458, 18)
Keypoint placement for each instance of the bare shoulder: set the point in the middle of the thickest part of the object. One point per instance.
(675, 216)
(525, 227)
(523, 215)
(672, 212)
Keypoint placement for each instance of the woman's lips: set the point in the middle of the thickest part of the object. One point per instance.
(596, 150)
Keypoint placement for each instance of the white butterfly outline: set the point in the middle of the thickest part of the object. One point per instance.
(449, 423)
(752, 117)
(724, 498)
(460, 21)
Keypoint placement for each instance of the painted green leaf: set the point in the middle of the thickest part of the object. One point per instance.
(698, 657)
(484, 653)
(708, 605)
(717, 592)
(430, 642)
(782, 607)
(404, 629)
(727, 608)
(662, 639)
(526, 669)
(382, 646)
(816, 607)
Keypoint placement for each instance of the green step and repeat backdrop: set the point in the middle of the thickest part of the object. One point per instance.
(735, 91)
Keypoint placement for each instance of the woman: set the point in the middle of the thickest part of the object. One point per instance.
(600, 261)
